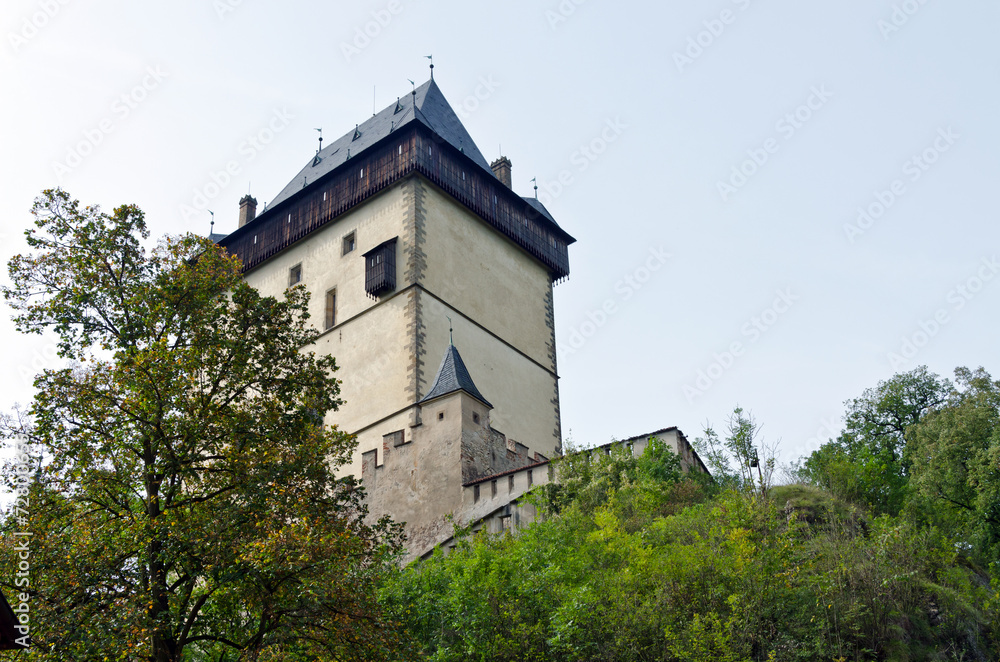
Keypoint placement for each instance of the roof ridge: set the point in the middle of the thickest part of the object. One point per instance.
(430, 108)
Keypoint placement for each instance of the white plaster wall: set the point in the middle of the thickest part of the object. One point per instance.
(486, 276)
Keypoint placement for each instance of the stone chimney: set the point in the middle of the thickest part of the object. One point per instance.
(248, 209)
(501, 168)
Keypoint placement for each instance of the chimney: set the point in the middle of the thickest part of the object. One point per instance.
(248, 209)
(501, 168)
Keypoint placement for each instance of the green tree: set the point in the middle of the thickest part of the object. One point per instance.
(186, 506)
(955, 453)
(869, 463)
(754, 461)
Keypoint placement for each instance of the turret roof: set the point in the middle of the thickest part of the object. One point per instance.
(454, 376)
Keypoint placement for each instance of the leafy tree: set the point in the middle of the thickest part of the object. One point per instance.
(956, 462)
(755, 461)
(187, 506)
(869, 462)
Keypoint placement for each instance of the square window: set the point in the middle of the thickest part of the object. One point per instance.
(440, 415)
(475, 418)
(295, 275)
(349, 243)
(331, 308)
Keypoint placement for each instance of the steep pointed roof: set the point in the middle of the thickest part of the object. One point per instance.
(454, 376)
(428, 107)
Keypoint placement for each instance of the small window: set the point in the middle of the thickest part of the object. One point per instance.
(295, 275)
(361, 174)
(531, 480)
(510, 483)
(493, 489)
(400, 150)
(475, 418)
(440, 415)
(331, 308)
(475, 494)
(349, 243)
(324, 196)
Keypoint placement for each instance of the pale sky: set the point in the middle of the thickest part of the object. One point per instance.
(777, 204)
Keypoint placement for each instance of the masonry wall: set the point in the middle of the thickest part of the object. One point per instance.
(450, 263)
(499, 301)
(370, 339)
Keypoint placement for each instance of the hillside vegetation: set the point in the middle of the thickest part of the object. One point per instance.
(636, 561)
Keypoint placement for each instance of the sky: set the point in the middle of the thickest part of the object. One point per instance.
(777, 204)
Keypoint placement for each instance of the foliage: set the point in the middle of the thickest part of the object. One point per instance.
(186, 506)
(755, 461)
(797, 576)
(955, 453)
(869, 462)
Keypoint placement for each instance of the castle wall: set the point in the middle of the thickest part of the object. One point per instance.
(499, 300)
(370, 339)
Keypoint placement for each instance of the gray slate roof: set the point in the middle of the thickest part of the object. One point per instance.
(540, 208)
(454, 376)
(428, 107)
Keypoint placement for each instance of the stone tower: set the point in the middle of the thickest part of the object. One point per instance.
(401, 231)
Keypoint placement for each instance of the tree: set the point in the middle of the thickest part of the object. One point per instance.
(956, 462)
(869, 463)
(187, 505)
(755, 460)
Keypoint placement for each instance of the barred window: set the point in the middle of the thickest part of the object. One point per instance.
(380, 269)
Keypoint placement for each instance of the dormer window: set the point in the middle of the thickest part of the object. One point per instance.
(380, 269)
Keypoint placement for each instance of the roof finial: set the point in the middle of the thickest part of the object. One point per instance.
(534, 180)
(431, 58)
(414, 91)
(320, 140)
(451, 334)
(211, 226)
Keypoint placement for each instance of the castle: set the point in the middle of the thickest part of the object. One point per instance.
(412, 246)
